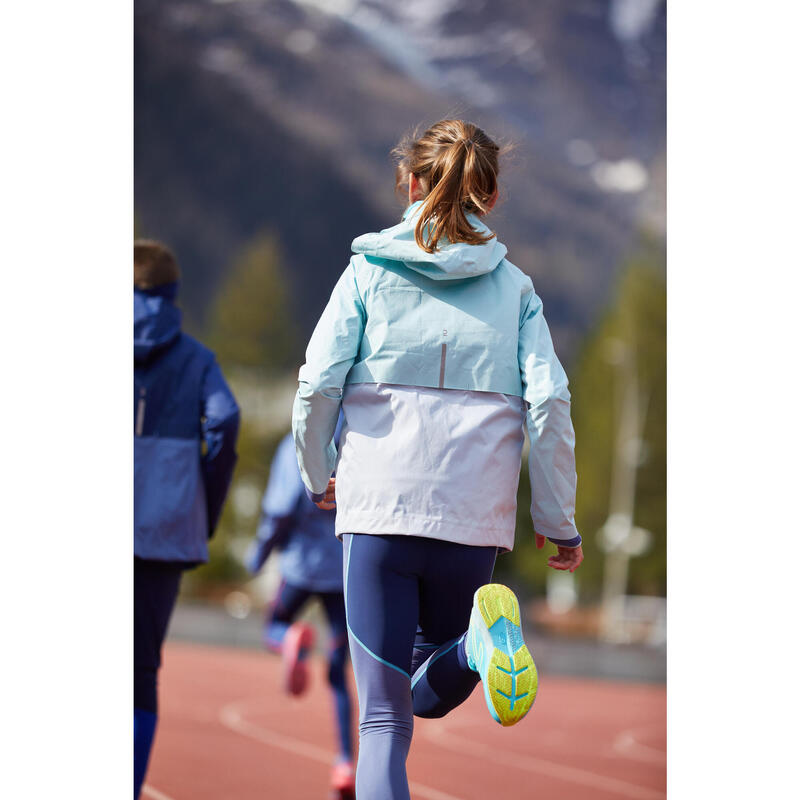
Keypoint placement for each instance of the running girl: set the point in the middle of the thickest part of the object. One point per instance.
(437, 348)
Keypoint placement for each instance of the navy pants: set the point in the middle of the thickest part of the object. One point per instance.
(285, 608)
(155, 589)
(408, 603)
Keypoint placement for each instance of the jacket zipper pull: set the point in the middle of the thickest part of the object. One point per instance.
(140, 407)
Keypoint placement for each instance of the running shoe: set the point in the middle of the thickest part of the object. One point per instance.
(496, 651)
(343, 781)
(296, 647)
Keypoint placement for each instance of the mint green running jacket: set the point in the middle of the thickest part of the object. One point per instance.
(439, 360)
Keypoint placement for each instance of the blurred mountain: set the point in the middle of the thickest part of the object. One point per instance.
(277, 117)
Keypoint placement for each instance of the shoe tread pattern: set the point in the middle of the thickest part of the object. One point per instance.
(495, 601)
(511, 680)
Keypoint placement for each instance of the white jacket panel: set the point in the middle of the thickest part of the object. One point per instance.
(438, 463)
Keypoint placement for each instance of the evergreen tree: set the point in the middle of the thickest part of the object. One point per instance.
(253, 335)
(630, 340)
(250, 323)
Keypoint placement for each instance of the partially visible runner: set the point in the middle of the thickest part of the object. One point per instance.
(185, 425)
(437, 349)
(311, 566)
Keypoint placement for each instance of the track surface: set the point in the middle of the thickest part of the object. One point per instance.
(226, 732)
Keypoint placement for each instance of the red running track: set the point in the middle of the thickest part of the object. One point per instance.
(227, 732)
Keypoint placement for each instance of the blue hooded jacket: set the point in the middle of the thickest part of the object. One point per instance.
(311, 555)
(186, 421)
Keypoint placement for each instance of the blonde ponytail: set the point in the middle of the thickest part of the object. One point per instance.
(456, 164)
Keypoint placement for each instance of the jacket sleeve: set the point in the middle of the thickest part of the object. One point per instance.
(330, 354)
(551, 462)
(220, 429)
(279, 506)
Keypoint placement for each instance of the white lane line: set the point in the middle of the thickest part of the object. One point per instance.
(154, 793)
(444, 737)
(626, 744)
(420, 790)
(232, 717)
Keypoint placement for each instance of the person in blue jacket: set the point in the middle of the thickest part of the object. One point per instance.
(185, 425)
(436, 348)
(310, 566)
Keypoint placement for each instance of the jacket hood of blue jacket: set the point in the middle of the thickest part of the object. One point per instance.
(156, 321)
(450, 262)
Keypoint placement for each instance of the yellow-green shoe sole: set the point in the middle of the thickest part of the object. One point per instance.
(506, 667)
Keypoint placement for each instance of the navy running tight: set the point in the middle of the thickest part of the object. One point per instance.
(285, 608)
(408, 603)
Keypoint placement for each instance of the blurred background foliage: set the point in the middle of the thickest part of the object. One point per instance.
(239, 517)
(250, 322)
(636, 321)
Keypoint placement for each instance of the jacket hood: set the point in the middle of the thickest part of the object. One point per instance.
(156, 321)
(450, 262)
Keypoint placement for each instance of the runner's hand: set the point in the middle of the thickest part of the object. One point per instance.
(329, 501)
(568, 557)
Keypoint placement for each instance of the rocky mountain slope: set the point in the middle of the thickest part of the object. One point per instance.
(253, 115)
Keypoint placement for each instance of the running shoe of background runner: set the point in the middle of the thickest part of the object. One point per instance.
(343, 781)
(295, 650)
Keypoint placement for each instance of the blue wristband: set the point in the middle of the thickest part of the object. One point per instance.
(575, 541)
(315, 497)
